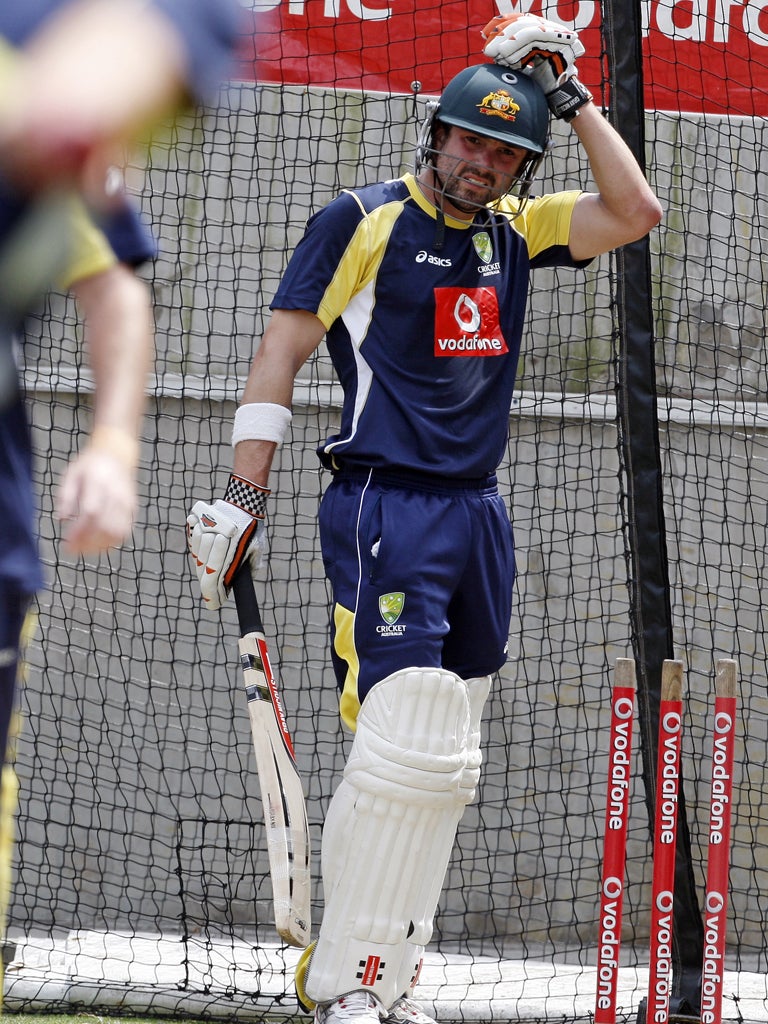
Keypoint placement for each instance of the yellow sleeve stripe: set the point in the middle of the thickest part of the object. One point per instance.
(360, 263)
(554, 227)
(90, 252)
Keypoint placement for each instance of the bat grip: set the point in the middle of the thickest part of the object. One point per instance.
(248, 613)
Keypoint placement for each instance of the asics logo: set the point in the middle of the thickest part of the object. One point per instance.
(434, 261)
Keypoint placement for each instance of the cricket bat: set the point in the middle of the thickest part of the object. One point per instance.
(282, 796)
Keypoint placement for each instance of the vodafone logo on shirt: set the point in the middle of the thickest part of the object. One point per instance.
(467, 323)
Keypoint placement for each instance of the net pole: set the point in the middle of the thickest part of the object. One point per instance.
(642, 478)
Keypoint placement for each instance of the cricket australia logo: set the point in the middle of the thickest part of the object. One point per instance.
(483, 246)
(391, 608)
(499, 104)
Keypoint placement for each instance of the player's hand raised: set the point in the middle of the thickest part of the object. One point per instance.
(225, 535)
(543, 49)
(527, 42)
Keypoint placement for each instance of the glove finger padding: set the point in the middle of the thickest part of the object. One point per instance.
(526, 42)
(221, 537)
(544, 50)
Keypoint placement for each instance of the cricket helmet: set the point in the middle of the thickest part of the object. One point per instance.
(502, 104)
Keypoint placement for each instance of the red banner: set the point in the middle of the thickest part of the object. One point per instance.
(708, 56)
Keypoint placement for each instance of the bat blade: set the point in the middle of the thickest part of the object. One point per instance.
(282, 796)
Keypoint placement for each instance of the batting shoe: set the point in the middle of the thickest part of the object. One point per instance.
(353, 1008)
(406, 1011)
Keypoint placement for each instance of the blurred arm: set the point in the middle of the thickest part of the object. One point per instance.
(97, 75)
(97, 498)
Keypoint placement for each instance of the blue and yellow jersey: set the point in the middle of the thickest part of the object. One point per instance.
(425, 338)
(90, 253)
(89, 249)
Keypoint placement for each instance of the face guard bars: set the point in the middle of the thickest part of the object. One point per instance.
(426, 153)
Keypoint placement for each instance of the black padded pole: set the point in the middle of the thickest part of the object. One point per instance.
(650, 607)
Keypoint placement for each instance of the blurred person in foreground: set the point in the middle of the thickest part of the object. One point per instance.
(419, 286)
(80, 82)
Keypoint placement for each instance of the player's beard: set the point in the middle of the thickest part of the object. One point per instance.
(470, 196)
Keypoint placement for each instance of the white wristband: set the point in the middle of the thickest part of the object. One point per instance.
(260, 421)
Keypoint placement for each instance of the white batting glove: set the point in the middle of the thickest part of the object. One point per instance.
(225, 535)
(544, 50)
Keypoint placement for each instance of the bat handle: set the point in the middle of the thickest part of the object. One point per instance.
(248, 613)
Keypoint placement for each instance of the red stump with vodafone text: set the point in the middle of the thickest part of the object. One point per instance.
(665, 840)
(615, 848)
(719, 842)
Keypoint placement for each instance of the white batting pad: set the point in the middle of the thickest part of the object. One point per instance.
(426, 900)
(390, 830)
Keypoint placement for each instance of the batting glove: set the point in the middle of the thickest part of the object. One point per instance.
(544, 50)
(225, 535)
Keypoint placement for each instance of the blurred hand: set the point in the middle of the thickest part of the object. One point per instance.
(97, 499)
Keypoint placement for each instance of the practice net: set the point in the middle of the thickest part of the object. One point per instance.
(141, 881)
